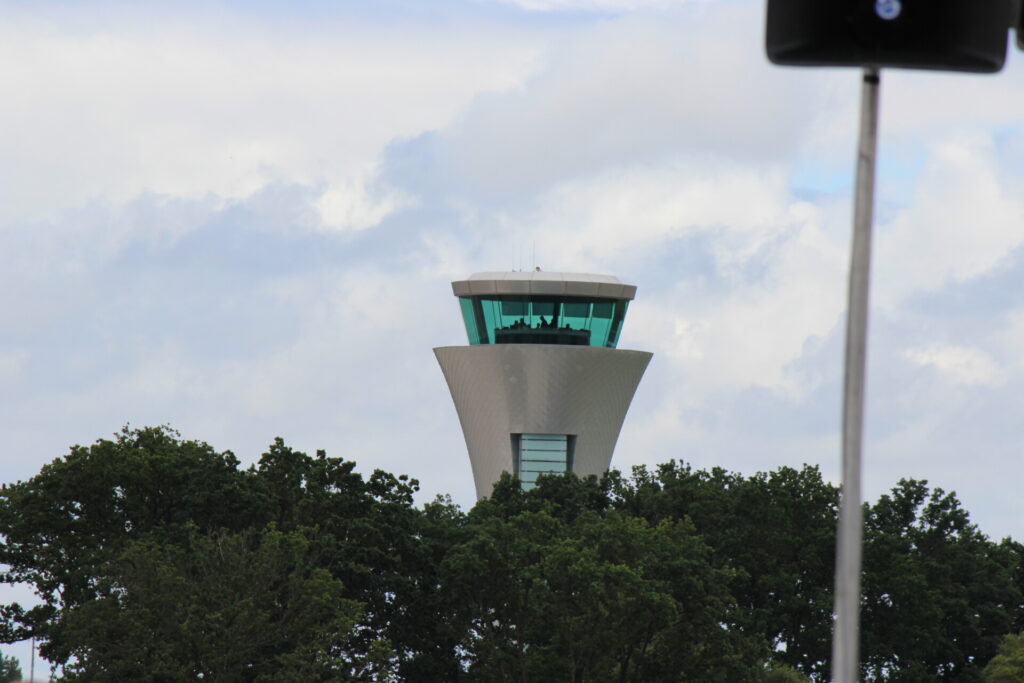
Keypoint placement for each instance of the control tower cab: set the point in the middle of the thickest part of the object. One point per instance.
(541, 388)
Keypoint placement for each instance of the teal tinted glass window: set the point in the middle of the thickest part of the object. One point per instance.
(514, 309)
(543, 309)
(576, 310)
(538, 454)
(518, 319)
(472, 327)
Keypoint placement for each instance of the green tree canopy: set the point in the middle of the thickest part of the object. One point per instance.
(223, 606)
(1008, 665)
(82, 530)
(160, 559)
(596, 598)
(938, 594)
(775, 531)
(10, 670)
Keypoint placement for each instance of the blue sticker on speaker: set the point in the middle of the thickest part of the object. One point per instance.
(888, 9)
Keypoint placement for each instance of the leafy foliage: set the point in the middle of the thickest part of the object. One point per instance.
(783, 673)
(776, 531)
(938, 595)
(152, 534)
(10, 670)
(158, 559)
(1008, 665)
(222, 606)
(595, 598)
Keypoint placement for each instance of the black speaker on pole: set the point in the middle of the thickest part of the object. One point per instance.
(958, 35)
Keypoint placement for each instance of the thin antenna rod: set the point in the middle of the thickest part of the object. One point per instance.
(535, 255)
(849, 550)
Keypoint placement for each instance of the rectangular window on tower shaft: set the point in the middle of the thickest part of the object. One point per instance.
(537, 454)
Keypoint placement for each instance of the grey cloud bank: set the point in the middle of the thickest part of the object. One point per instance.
(298, 289)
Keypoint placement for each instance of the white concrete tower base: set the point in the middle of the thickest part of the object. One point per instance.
(505, 389)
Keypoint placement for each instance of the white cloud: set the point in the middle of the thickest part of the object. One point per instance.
(959, 364)
(924, 105)
(593, 219)
(350, 204)
(780, 271)
(635, 90)
(960, 223)
(12, 362)
(594, 5)
(223, 105)
(659, 146)
(1008, 340)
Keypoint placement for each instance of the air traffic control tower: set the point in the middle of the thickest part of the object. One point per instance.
(541, 387)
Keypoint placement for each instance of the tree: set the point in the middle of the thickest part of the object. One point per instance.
(938, 594)
(776, 533)
(10, 670)
(431, 619)
(233, 607)
(63, 527)
(372, 538)
(592, 596)
(157, 558)
(1008, 665)
(783, 673)
(70, 530)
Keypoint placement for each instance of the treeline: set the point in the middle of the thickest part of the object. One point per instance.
(160, 559)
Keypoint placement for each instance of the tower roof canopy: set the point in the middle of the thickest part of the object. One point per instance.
(544, 283)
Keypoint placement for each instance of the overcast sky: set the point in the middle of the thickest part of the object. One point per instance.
(241, 220)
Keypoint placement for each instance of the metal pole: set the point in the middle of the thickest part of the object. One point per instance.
(846, 637)
(32, 664)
